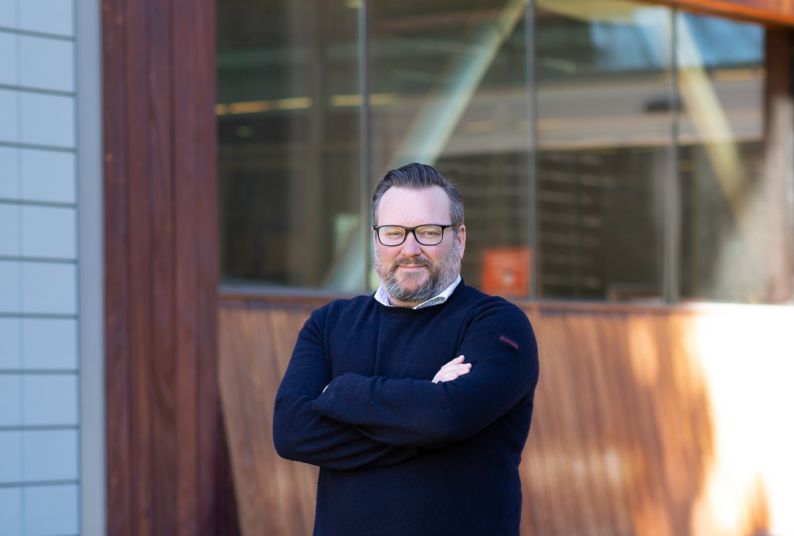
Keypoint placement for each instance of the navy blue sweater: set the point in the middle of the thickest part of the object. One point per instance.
(398, 454)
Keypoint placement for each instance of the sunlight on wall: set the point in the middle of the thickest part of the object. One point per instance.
(747, 358)
(643, 352)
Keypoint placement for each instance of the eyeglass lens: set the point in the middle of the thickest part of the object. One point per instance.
(394, 235)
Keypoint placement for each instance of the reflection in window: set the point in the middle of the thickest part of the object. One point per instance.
(289, 143)
(604, 127)
(721, 148)
(455, 74)
(606, 150)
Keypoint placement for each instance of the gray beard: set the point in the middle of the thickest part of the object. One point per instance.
(440, 277)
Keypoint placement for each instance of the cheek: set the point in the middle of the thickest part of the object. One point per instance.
(386, 255)
(439, 256)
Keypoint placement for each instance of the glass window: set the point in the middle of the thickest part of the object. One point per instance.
(603, 150)
(288, 134)
(725, 234)
(606, 150)
(450, 88)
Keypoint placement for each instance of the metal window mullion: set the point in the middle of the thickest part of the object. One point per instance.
(532, 148)
(364, 146)
(671, 266)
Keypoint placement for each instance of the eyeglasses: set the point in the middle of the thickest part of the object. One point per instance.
(429, 234)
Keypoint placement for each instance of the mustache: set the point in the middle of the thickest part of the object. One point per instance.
(416, 261)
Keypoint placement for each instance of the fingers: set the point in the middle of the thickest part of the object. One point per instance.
(458, 359)
(452, 370)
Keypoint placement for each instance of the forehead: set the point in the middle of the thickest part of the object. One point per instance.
(409, 206)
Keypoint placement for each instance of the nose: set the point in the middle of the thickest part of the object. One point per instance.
(411, 246)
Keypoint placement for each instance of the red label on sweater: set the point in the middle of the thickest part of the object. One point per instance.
(508, 341)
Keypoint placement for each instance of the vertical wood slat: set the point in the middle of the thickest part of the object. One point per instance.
(168, 470)
(118, 363)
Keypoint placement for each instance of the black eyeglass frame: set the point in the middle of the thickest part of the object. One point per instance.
(409, 230)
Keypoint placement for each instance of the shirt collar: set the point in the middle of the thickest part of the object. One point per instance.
(383, 297)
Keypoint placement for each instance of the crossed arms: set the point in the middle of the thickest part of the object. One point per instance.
(369, 421)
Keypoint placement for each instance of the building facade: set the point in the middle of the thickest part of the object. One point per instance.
(182, 181)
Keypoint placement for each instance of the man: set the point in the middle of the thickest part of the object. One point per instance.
(415, 402)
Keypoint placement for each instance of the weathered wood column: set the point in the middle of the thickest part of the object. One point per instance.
(168, 470)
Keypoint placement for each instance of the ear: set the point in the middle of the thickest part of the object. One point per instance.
(461, 239)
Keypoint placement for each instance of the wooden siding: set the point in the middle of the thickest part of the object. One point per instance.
(167, 467)
(639, 412)
(772, 12)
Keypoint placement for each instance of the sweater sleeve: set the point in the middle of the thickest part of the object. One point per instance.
(301, 433)
(500, 345)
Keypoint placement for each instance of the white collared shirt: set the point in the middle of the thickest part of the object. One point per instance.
(383, 297)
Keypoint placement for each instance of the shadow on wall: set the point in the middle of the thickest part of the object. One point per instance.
(647, 422)
(274, 496)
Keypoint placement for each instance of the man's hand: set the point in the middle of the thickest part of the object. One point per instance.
(452, 370)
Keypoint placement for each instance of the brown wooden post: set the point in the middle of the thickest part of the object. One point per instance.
(168, 469)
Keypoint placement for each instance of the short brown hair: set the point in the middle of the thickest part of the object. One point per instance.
(419, 176)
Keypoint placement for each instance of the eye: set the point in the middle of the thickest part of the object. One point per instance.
(429, 233)
(391, 233)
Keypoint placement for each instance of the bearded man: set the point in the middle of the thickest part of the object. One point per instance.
(415, 402)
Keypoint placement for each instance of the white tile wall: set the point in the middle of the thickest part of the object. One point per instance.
(49, 399)
(10, 342)
(8, 58)
(11, 511)
(9, 230)
(10, 457)
(51, 510)
(10, 279)
(8, 13)
(9, 173)
(46, 119)
(46, 63)
(10, 401)
(49, 288)
(8, 116)
(47, 176)
(49, 343)
(49, 232)
(42, 462)
(47, 16)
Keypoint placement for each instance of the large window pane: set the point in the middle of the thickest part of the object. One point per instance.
(288, 119)
(449, 87)
(726, 229)
(606, 150)
(604, 141)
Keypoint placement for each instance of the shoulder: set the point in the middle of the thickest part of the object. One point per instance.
(494, 313)
(343, 309)
(480, 303)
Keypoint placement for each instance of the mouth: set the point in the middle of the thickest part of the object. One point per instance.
(412, 267)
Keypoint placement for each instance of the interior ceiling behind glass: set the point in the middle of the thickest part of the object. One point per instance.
(619, 37)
